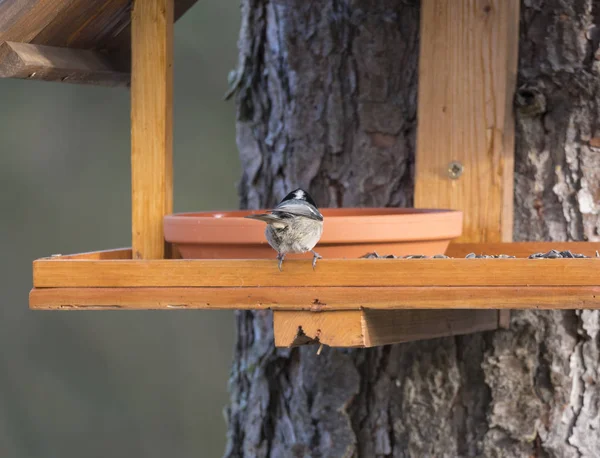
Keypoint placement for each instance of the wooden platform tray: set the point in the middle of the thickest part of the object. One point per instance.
(111, 279)
(370, 301)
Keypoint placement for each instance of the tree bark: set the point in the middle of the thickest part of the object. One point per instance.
(326, 95)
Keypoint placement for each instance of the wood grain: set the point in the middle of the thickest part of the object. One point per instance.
(151, 125)
(334, 272)
(383, 327)
(335, 329)
(86, 24)
(47, 63)
(318, 298)
(467, 68)
(23, 20)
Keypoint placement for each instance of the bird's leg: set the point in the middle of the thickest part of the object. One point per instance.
(315, 257)
(281, 257)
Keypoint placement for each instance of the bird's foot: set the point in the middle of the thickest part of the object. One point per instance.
(315, 257)
(281, 257)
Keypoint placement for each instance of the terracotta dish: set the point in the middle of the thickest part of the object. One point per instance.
(347, 233)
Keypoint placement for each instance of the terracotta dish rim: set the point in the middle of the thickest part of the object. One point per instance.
(341, 226)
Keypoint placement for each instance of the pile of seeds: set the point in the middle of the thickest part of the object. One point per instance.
(552, 254)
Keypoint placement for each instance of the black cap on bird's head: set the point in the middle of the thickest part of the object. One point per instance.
(299, 194)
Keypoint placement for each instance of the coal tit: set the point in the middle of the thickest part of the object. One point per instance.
(293, 226)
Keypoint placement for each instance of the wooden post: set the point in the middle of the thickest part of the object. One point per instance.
(151, 125)
(465, 136)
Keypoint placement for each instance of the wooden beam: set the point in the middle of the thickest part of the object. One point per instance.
(322, 299)
(48, 273)
(370, 328)
(47, 63)
(467, 74)
(335, 329)
(151, 125)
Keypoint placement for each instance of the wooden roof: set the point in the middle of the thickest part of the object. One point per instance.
(97, 25)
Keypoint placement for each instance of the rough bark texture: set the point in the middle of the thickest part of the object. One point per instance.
(327, 99)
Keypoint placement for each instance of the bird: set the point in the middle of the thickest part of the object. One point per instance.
(295, 225)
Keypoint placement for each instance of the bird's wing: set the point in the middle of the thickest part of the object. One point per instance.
(275, 220)
(299, 209)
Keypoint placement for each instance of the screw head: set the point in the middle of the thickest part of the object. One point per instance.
(455, 170)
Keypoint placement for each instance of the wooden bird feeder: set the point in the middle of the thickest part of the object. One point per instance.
(464, 161)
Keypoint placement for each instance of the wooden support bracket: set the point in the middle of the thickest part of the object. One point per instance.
(369, 328)
(49, 63)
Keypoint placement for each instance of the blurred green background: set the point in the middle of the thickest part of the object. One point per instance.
(112, 384)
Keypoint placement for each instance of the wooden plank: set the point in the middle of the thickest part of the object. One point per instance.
(383, 327)
(86, 24)
(318, 298)
(47, 63)
(22, 20)
(370, 328)
(521, 249)
(467, 68)
(151, 125)
(335, 329)
(329, 272)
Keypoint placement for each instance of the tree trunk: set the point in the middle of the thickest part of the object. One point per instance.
(326, 95)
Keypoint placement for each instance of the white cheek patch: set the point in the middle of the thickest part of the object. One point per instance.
(299, 194)
(278, 225)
